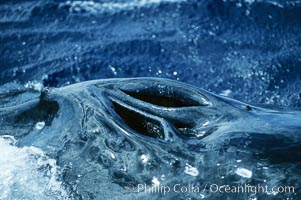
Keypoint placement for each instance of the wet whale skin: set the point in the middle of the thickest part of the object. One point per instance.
(110, 135)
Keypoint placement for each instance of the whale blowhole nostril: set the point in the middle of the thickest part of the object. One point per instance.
(140, 123)
(163, 99)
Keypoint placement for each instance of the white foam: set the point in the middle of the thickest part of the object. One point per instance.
(34, 85)
(27, 173)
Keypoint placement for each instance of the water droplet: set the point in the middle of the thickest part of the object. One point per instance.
(243, 172)
(40, 125)
(144, 158)
(265, 168)
(191, 170)
(155, 181)
(113, 69)
(226, 92)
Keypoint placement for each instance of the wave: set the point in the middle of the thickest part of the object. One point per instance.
(27, 173)
(97, 7)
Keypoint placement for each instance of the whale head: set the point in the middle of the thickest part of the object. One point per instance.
(123, 137)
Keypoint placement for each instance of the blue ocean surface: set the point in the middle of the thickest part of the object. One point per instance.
(62, 137)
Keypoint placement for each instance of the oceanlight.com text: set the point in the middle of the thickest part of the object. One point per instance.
(212, 188)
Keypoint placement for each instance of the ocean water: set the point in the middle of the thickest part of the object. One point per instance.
(249, 50)
(27, 173)
(242, 49)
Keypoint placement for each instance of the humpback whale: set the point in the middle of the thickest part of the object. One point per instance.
(112, 137)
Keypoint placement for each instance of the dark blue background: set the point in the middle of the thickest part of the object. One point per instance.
(250, 50)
